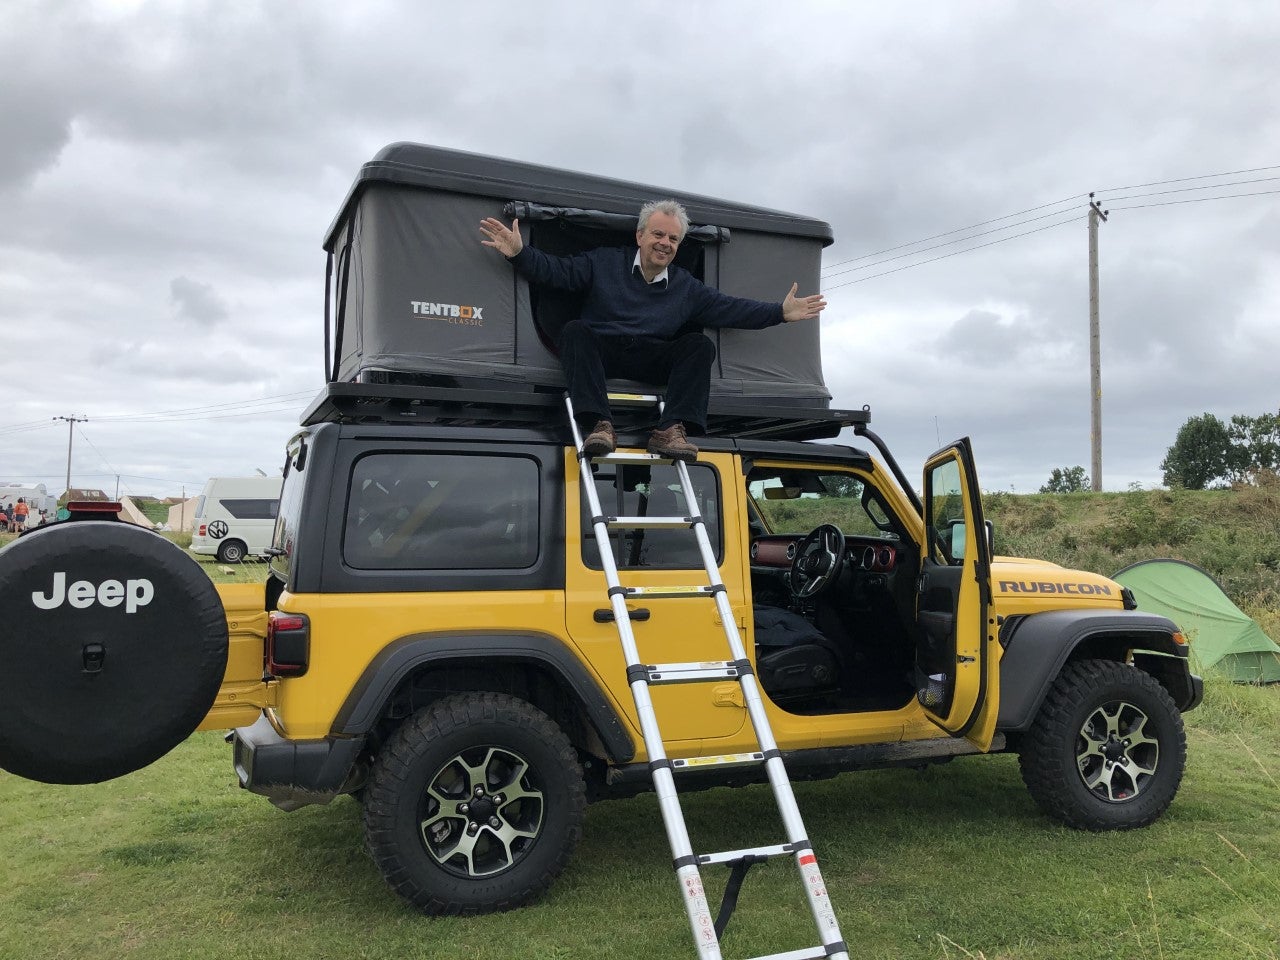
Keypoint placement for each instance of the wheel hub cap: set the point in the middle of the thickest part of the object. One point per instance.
(1115, 755)
(481, 812)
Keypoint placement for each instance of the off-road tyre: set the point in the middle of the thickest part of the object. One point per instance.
(1107, 749)
(414, 813)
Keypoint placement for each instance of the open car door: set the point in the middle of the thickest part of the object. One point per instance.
(957, 663)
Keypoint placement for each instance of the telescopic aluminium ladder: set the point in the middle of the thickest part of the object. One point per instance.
(640, 676)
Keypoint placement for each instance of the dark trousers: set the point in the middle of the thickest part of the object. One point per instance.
(682, 365)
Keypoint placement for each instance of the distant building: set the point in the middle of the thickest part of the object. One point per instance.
(81, 493)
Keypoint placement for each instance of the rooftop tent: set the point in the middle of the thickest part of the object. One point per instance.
(412, 297)
(1223, 639)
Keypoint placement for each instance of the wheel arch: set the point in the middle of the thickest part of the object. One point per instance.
(420, 668)
(1039, 645)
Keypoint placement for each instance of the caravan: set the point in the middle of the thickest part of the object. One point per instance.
(42, 506)
(235, 517)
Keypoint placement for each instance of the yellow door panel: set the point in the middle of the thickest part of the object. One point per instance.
(243, 693)
(958, 659)
(666, 629)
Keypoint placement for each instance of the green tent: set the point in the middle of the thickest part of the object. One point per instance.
(1223, 639)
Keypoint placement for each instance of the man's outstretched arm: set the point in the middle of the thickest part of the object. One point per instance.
(506, 240)
(801, 308)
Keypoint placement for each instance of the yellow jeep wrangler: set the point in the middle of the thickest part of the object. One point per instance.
(435, 638)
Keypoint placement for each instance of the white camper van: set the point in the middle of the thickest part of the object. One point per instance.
(235, 517)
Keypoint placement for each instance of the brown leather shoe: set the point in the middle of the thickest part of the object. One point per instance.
(600, 440)
(673, 444)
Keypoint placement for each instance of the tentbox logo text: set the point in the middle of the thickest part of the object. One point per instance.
(466, 314)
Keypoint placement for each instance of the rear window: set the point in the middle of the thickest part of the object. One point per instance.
(289, 508)
(428, 511)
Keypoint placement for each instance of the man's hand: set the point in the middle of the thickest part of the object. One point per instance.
(801, 308)
(506, 242)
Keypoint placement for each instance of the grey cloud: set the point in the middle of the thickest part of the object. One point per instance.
(214, 142)
(197, 301)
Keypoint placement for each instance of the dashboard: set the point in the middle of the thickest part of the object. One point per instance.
(861, 553)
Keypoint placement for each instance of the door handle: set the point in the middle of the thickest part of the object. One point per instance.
(606, 615)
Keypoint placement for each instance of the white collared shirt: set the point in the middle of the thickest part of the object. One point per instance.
(635, 266)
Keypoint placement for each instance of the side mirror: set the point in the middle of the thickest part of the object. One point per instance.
(959, 538)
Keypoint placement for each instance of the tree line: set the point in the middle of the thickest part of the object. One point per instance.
(1206, 453)
(1210, 453)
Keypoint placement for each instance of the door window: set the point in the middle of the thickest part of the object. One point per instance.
(653, 491)
(945, 514)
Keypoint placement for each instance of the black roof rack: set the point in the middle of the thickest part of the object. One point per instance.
(503, 405)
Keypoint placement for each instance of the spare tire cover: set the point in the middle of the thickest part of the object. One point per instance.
(113, 644)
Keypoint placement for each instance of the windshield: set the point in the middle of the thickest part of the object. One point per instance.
(789, 500)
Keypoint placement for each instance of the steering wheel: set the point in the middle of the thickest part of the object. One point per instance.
(818, 561)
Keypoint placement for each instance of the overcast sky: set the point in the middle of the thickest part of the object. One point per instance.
(168, 170)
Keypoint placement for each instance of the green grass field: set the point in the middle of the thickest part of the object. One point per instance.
(953, 861)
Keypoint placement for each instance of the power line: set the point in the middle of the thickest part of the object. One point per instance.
(1208, 186)
(972, 226)
(939, 246)
(192, 418)
(956, 253)
(1043, 206)
(1169, 203)
(25, 427)
(205, 408)
(1203, 176)
(214, 411)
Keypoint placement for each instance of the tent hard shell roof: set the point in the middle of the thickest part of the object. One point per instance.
(456, 171)
(1223, 638)
(412, 297)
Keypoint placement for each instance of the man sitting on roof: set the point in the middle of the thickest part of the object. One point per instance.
(639, 321)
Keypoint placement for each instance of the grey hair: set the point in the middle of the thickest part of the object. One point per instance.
(670, 207)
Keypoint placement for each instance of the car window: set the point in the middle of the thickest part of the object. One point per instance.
(246, 508)
(432, 511)
(653, 491)
(795, 501)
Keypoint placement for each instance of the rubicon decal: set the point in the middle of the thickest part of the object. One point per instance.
(463, 313)
(81, 594)
(1045, 586)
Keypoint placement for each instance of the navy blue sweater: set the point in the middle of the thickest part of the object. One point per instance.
(619, 303)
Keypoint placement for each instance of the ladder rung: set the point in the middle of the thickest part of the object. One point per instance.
(669, 592)
(649, 523)
(692, 672)
(808, 953)
(729, 856)
(631, 458)
(724, 760)
(634, 398)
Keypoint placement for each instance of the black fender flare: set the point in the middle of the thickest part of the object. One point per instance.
(398, 660)
(1038, 645)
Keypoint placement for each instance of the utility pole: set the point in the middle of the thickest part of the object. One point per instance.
(71, 426)
(1096, 213)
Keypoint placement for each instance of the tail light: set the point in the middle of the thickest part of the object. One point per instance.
(288, 644)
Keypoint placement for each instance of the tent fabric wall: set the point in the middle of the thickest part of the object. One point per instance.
(415, 294)
(1223, 638)
(419, 277)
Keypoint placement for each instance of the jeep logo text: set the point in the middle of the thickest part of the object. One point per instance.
(81, 594)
